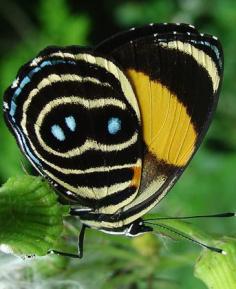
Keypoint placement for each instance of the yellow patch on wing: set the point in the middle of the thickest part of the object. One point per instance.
(167, 128)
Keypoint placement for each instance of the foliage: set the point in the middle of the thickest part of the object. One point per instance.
(218, 271)
(31, 218)
(207, 186)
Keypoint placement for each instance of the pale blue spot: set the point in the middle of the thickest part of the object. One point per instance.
(114, 125)
(33, 71)
(58, 132)
(17, 92)
(45, 63)
(25, 81)
(70, 122)
(13, 108)
(13, 104)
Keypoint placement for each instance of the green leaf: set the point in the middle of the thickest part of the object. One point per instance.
(31, 218)
(218, 271)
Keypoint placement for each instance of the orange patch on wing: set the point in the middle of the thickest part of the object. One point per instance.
(167, 128)
(136, 176)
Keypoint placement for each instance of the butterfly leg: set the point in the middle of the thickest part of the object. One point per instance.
(80, 247)
(81, 241)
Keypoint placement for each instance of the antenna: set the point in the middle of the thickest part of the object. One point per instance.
(222, 215)
(214, 249)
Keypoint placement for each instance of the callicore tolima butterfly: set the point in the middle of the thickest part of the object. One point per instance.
(112, 127)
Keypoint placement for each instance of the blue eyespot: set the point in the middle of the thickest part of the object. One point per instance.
(58, 132)
(114, 125)
(70, 122)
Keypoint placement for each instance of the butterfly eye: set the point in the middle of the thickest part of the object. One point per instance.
(114, 125)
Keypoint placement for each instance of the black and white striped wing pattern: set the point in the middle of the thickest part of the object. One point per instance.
(76, 118)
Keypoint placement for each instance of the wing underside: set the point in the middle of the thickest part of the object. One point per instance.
(176, 75)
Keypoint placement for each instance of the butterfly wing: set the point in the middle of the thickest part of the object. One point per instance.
(176, 73)
(66, 110)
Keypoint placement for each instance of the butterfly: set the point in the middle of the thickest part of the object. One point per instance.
(113, 127)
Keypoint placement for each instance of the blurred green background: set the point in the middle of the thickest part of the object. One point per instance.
(207, 186)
